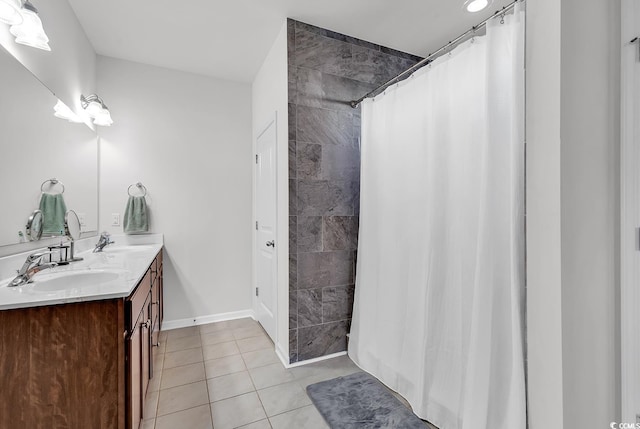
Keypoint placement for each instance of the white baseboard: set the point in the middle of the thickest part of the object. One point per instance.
(168, 325)
(307, 362)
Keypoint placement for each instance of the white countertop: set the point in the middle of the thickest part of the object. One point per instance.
(123, 263)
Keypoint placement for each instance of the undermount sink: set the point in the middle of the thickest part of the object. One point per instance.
(127, 249)
(72, 279)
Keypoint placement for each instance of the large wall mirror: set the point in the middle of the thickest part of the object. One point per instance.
(36, 146)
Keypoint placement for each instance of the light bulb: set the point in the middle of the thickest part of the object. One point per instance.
(477, 5)
(103, 118)
(30, 32)
(10, 12)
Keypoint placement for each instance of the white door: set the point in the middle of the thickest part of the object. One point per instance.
(266, 259)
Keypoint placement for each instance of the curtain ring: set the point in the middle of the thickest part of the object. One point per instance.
(502, 18)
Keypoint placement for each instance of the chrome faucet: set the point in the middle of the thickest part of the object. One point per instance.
(30, 268)
(104, 241)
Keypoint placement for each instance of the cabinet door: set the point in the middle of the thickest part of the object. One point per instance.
(145, 346)
(134, 385)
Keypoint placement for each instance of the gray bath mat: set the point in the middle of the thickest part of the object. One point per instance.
(360, 401)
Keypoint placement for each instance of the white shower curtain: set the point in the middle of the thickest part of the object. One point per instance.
(438, 312)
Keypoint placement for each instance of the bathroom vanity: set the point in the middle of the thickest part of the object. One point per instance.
(82, 356)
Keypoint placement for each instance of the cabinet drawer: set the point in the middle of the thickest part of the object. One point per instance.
(138, 300)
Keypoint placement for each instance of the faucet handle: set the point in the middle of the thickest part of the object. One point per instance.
(35, 256)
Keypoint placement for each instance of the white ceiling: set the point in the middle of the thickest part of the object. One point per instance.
(229, 39)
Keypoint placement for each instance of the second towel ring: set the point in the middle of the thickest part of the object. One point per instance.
(139, 186)
(53, 182)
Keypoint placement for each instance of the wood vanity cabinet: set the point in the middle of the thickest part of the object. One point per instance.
(144, 309)
(80, 365)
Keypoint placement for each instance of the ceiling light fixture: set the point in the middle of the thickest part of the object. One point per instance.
(63, 112)
(10, 12)
(476, 5)
(96, 109)
(30, 31)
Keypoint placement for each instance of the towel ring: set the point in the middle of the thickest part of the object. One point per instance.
(53, 182)
(139, 186)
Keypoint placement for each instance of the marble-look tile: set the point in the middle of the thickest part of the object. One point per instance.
(314, 270)
(291, 40)
(341, 162)
(321, 340)
(322, 269)
(293, 310)
(318, 52)
(309, 307)
(172, 377)
(293, 345)
(337, 303)
(223, 366)
(375, 67)
(237, 411)
(193, 418)
(413, 58)
(293, 268)
(270, 375)
(228, 386)
(182, 357)
(283, 397)
(182, 398)
(308, 161)
(293, 196)
(293, 163)
(292, 112)
(325, 198)
(323, 90)
(340, 233)
(323, 126)
(342, 268)
(306, 417)
(292, 92)
(293, 234)
(309, 234)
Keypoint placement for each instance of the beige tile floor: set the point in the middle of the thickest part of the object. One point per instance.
(227, 375)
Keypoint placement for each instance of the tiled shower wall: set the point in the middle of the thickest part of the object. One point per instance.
(326, 71)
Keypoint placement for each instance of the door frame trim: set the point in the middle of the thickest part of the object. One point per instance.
(254, 302)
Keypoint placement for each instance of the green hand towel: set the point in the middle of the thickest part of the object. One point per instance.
(53, 210)
(135, 216)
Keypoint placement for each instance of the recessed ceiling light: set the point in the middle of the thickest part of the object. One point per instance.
(476, 5)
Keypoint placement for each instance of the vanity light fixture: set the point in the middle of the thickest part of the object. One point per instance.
(63, 112)
(30, 31)
(10, 12)
(96, 109)
(476, 5)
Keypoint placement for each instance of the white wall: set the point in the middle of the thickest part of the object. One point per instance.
(69, 70)
(572, 213)
(269, 98)
(590, 211)
(544, 263)
(187, 138)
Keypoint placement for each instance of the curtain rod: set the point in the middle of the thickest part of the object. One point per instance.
(429, 58)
